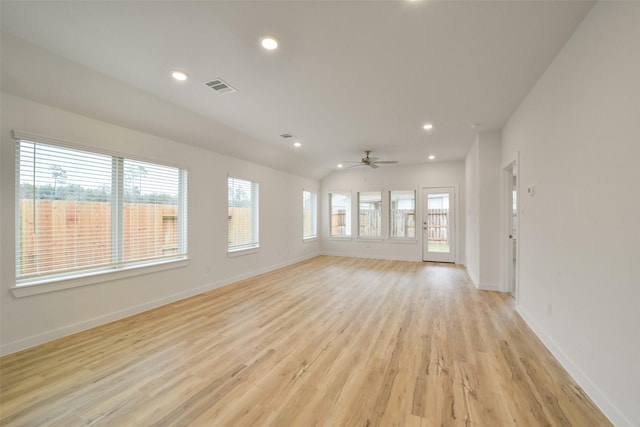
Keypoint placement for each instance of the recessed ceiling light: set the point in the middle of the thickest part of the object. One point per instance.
(427, 126)
(431, 157)
(179, 75)
(297, 144)
(269, 42)
(339, 165)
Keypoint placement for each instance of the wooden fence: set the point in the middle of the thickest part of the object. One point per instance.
(240, 231)
(403, 223)
(63, 234)
(370, 223)
(438, 225)
(338, 222)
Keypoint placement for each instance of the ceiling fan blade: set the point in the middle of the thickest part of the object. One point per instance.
(355, 166)
(373, 165)
(348, 161)
(387, 162)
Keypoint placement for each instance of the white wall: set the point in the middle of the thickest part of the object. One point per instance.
(386, 178)
(482, 176)
(490, 232)
(579, 142)
(472, 213)
(31, 320)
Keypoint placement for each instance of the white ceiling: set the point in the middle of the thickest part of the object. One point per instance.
(349, 75)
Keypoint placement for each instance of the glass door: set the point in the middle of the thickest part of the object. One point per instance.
(438, 224)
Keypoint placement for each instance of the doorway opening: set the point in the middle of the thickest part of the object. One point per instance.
(438, 224)
(511, 187)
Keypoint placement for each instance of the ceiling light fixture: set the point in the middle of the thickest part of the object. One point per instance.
(297, 144)
(179, 75)
(431, 157)
(427, 126)
(269, 42)
(339, 165)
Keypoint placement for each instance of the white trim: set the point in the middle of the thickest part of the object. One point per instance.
(370, 256)
(309, 239)
(370, 240)
(99, 273)
(84, 146)
(54, 285)
(505, 223)
(351, 215)
(42, 338)
(616, 416)
(340, 238)
(243, 251)
(472, 276)
(456, 218)
(403, 240)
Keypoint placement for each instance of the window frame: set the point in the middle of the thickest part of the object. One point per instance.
(390, 210)
(381, 233)
(313, 215)
(255, 224)
(118, 268)
(348, 234)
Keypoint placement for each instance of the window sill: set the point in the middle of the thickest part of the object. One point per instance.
(341, 238)
(370, 239)
(406, 241)
(241, 252)
(310, 239)
(42, 286)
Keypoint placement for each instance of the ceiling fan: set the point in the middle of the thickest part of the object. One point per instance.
(371, 161)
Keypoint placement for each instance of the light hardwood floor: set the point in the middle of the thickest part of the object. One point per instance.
(326, 342)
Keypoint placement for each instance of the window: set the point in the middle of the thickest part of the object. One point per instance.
(243, 214)
(370, 214)
(340, 209)
(309, 212)
(80, 213)
(402, 214)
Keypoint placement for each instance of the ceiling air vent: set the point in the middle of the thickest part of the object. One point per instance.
(221, 86)
(286, 135)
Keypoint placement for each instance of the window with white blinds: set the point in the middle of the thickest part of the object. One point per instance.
(402, 214)
(80, 213)
(370, 214)
(340, 211)
(309, 212)
(243, 214)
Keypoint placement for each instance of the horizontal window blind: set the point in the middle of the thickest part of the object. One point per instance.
(402, 215)
(370, 214)
(151, 210)
(242, 214)
(340, 211)
(309, 212)
(79, 212)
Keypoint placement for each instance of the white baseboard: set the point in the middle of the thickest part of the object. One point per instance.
(589, 387)
(370, 256)
(472, 276)
(489, 287)
(64, 331)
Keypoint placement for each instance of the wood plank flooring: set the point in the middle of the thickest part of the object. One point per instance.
(326, 342)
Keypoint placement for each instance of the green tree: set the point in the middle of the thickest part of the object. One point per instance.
(59, 175)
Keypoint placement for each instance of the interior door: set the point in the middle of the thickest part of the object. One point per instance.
(512, 214)
(438, 224)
